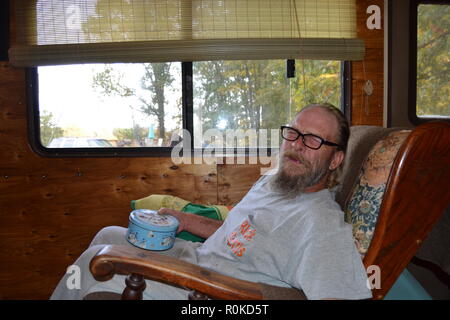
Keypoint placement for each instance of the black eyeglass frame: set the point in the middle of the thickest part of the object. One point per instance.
(299, 134)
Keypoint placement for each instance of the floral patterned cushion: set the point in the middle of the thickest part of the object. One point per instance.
(364, 204)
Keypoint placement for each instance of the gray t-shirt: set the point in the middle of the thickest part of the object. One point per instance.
(301, 242)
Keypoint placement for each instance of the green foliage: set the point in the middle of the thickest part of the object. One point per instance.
(128, 133)
(109, 82)
(155, 81)
(256, 94)
(49, 130)
(242, 94)
(316, 81)
(137, 134)
(433, 60)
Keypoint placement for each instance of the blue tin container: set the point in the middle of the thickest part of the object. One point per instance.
(151, 231)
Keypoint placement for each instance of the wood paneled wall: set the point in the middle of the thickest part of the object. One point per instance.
(368, 109)
(51, 208)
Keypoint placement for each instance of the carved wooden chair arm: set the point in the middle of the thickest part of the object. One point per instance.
(139, 264)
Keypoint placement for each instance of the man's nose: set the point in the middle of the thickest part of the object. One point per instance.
(298, 144)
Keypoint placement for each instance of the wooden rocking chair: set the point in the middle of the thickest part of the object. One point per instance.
(415, 194)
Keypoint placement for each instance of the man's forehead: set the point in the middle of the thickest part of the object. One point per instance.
(315, 120)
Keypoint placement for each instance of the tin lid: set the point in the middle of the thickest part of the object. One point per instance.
(146, 219)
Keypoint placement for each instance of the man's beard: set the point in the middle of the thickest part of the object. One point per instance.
(294, 183)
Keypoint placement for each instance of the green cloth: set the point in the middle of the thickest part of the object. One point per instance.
(155, 202)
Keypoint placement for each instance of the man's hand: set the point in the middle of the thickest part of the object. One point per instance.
(200, 226)
(181, 217)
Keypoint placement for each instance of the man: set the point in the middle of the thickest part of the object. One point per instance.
(287, 231)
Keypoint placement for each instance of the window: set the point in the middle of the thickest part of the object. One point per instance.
(137, 108)
(251, 99)
(432, 62)
(109, 105)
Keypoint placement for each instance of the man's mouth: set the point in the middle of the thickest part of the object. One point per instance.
(294, 159)
(297, 160)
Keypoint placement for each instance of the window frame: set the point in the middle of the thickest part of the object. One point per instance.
(187, 111)
(412, 83)
(34, 132)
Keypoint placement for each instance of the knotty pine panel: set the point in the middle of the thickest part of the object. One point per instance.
(368, 109)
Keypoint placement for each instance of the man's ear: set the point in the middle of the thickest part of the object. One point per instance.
(338, 157)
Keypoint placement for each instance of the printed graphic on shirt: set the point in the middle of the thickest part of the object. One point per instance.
(239, 240)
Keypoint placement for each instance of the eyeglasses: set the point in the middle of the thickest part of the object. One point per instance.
(310, 140)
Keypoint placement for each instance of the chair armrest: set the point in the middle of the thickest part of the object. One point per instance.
(125, 260)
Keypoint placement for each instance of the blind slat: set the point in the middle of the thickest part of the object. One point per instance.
(82, 31)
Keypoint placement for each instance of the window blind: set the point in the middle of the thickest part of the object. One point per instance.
(50, 32)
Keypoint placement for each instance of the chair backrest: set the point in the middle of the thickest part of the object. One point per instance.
(362, 140)
(364, 202)
(395, 186)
